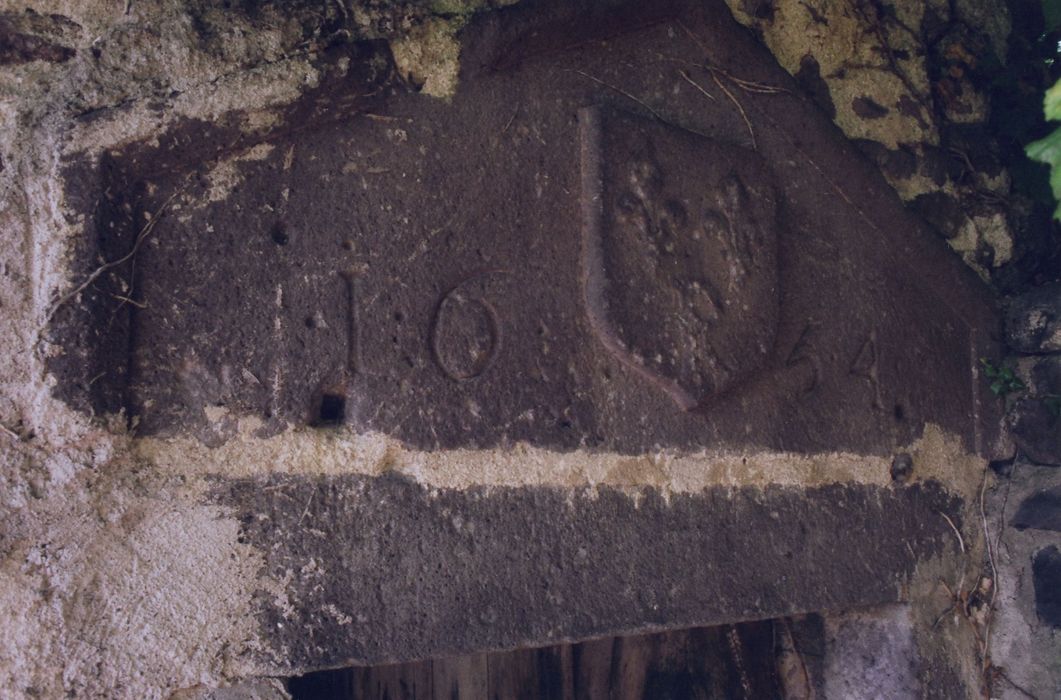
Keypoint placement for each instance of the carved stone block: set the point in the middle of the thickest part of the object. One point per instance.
(626, 239)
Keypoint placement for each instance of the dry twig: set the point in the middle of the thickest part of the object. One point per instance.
(986, 641)
(975, 605)
(961, 542)
(695, 84)
(128, 300)
(95, 274)
(309, 503)
(740, 108)
(622, 92)
(743, 84)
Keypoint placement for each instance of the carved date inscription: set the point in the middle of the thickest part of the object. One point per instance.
(465, 334)
(573, 252)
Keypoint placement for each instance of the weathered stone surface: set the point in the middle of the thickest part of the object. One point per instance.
(20, 44)
(1046, 570)
(382, 569)
(125, 571)
(872, 654)
(909, 82)
(1046, 376)
(1023, 644)
(1041, 511)
(1036, 429)
(270, 689)
(1033, 320)
(1035, 417)
(569, 253)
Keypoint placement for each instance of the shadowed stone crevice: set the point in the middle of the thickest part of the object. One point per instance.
(1046, 568)
(1041, 511)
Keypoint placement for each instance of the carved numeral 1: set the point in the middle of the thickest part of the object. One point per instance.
(353, 322)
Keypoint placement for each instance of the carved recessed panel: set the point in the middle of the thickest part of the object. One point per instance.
(582, 249)
(681, 258)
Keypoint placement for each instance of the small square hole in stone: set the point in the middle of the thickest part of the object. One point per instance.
(332, 410)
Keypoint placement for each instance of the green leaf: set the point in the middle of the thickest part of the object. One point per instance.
(1046, 150)
(1052, 102)
(1055, 180)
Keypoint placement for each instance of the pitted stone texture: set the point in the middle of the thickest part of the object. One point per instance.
(1033, 320)
(1040, 510)
(1035, 425)
(269, 689)
(911, 83)
(67, 626)
(1023, 642)
(872, 654)
(421, 268)
(381, 569)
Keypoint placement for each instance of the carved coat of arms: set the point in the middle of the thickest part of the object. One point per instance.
(679, 253)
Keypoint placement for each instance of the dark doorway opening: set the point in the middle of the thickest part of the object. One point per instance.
(767, 659)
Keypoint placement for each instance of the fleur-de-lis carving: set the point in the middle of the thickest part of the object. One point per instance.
(688, 285)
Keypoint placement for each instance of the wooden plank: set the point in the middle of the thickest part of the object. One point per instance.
(461, 678)
(555, 677)
(591, 668)
(635, 656)
(729, 661)
(411, 681)
(513, 675)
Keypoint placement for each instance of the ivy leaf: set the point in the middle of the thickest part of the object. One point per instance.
(1052, 102)
(1048, 150)
(1055, 185)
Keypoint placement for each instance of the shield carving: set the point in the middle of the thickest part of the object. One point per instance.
(679, 253)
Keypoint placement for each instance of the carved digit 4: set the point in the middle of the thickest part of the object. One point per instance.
(803, 359)
(865, 366)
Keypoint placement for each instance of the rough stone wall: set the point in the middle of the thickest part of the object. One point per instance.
(1025, 507)
(107, 571)
(934, 92)
(929, 90)
(89, 522)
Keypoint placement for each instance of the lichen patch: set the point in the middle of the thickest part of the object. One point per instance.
(429, 56)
